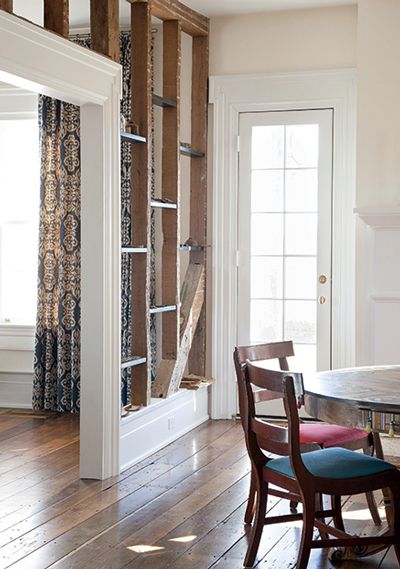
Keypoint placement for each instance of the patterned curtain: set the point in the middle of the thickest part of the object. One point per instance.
(57, 340)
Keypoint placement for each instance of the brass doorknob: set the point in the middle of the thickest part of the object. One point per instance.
(322, 279)
(322, 300)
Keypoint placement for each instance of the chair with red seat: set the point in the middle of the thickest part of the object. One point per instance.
(333, 471)
(323, 434)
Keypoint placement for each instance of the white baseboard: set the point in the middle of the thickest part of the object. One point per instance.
(16, 390)
(148, 430)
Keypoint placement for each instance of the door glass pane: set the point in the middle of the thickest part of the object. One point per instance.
(300, 277)
(265, 320)
(283, 247)
(266, 234)
(300, 321)
(267, 190)
(267, 277)
(267, 147)
(301, 234)
(301, 190)
(302, 143)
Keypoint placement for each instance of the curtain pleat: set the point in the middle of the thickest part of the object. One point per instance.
(56, 383)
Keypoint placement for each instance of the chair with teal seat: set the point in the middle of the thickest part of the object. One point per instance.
(322, 434)
(333, 471)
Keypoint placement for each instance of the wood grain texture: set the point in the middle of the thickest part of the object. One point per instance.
(56, 16)
(376, 388)
(141, 197)
(171, 372)
(198, 184)
(192, 22)
(195, 488)
(6, 5)
(170, 260)
(104, 27)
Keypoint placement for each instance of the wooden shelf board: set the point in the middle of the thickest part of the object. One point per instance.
(132, 361)
(161, 204)
(191, 152)
(166, 308)
(134, 250)
(130, 137)
(163, 102)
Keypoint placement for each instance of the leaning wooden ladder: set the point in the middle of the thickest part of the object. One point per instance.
(183, 314)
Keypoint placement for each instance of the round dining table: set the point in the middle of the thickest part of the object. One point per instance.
(356, 397)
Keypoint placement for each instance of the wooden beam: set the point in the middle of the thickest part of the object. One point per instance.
(171, 187)
(141, 197)
(56, 16)
(198, 184)
(171, 372)
(192, 22)
(104, 27)
(6, 5)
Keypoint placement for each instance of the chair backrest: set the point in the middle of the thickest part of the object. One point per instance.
(267, 437)
(262, 352)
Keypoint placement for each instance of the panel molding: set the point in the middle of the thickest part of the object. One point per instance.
(378, 285)
(146, 431)
(16, 390)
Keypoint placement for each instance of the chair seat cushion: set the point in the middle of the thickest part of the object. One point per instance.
(333, 463)
(329, 435)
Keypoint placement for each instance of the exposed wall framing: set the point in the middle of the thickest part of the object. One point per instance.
(177, 341)
(182, 309)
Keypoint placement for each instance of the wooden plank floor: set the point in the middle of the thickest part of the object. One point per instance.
(181, 508)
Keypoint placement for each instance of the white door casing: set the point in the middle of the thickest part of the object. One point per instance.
(230, 96)
(43, 62)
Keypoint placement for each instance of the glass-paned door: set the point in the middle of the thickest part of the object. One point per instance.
(284, 238)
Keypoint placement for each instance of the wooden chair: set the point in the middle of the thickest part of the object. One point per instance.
(332, 471)
(324, 435)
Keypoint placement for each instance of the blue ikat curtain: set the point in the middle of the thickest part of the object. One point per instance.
(57, 342)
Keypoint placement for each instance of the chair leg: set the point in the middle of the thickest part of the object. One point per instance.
(337, 517)
(319, 505)
(251, 502)
(373, 508)
(396, 519)
(258, 525)
(293, 506)
(307, 533)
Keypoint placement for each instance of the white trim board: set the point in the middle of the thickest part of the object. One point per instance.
(151, 428)
(42, 62)
(234, 94)
(16, 390)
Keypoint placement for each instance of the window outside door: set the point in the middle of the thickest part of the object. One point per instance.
(284, 238)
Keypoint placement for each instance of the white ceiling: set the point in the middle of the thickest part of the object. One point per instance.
(79, 9)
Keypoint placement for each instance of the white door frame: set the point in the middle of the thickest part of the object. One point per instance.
(43, 62)
(234, 94)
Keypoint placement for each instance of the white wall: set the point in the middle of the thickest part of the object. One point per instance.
(378, 182)
(294, 40)
(378, 69)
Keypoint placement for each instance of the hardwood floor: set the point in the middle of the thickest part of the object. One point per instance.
(181, 508)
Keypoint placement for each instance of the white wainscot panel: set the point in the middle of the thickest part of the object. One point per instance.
(16, 390)
(379, 289)
(151, 428)
(386, 317)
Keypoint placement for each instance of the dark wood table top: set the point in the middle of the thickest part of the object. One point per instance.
(376, 388)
